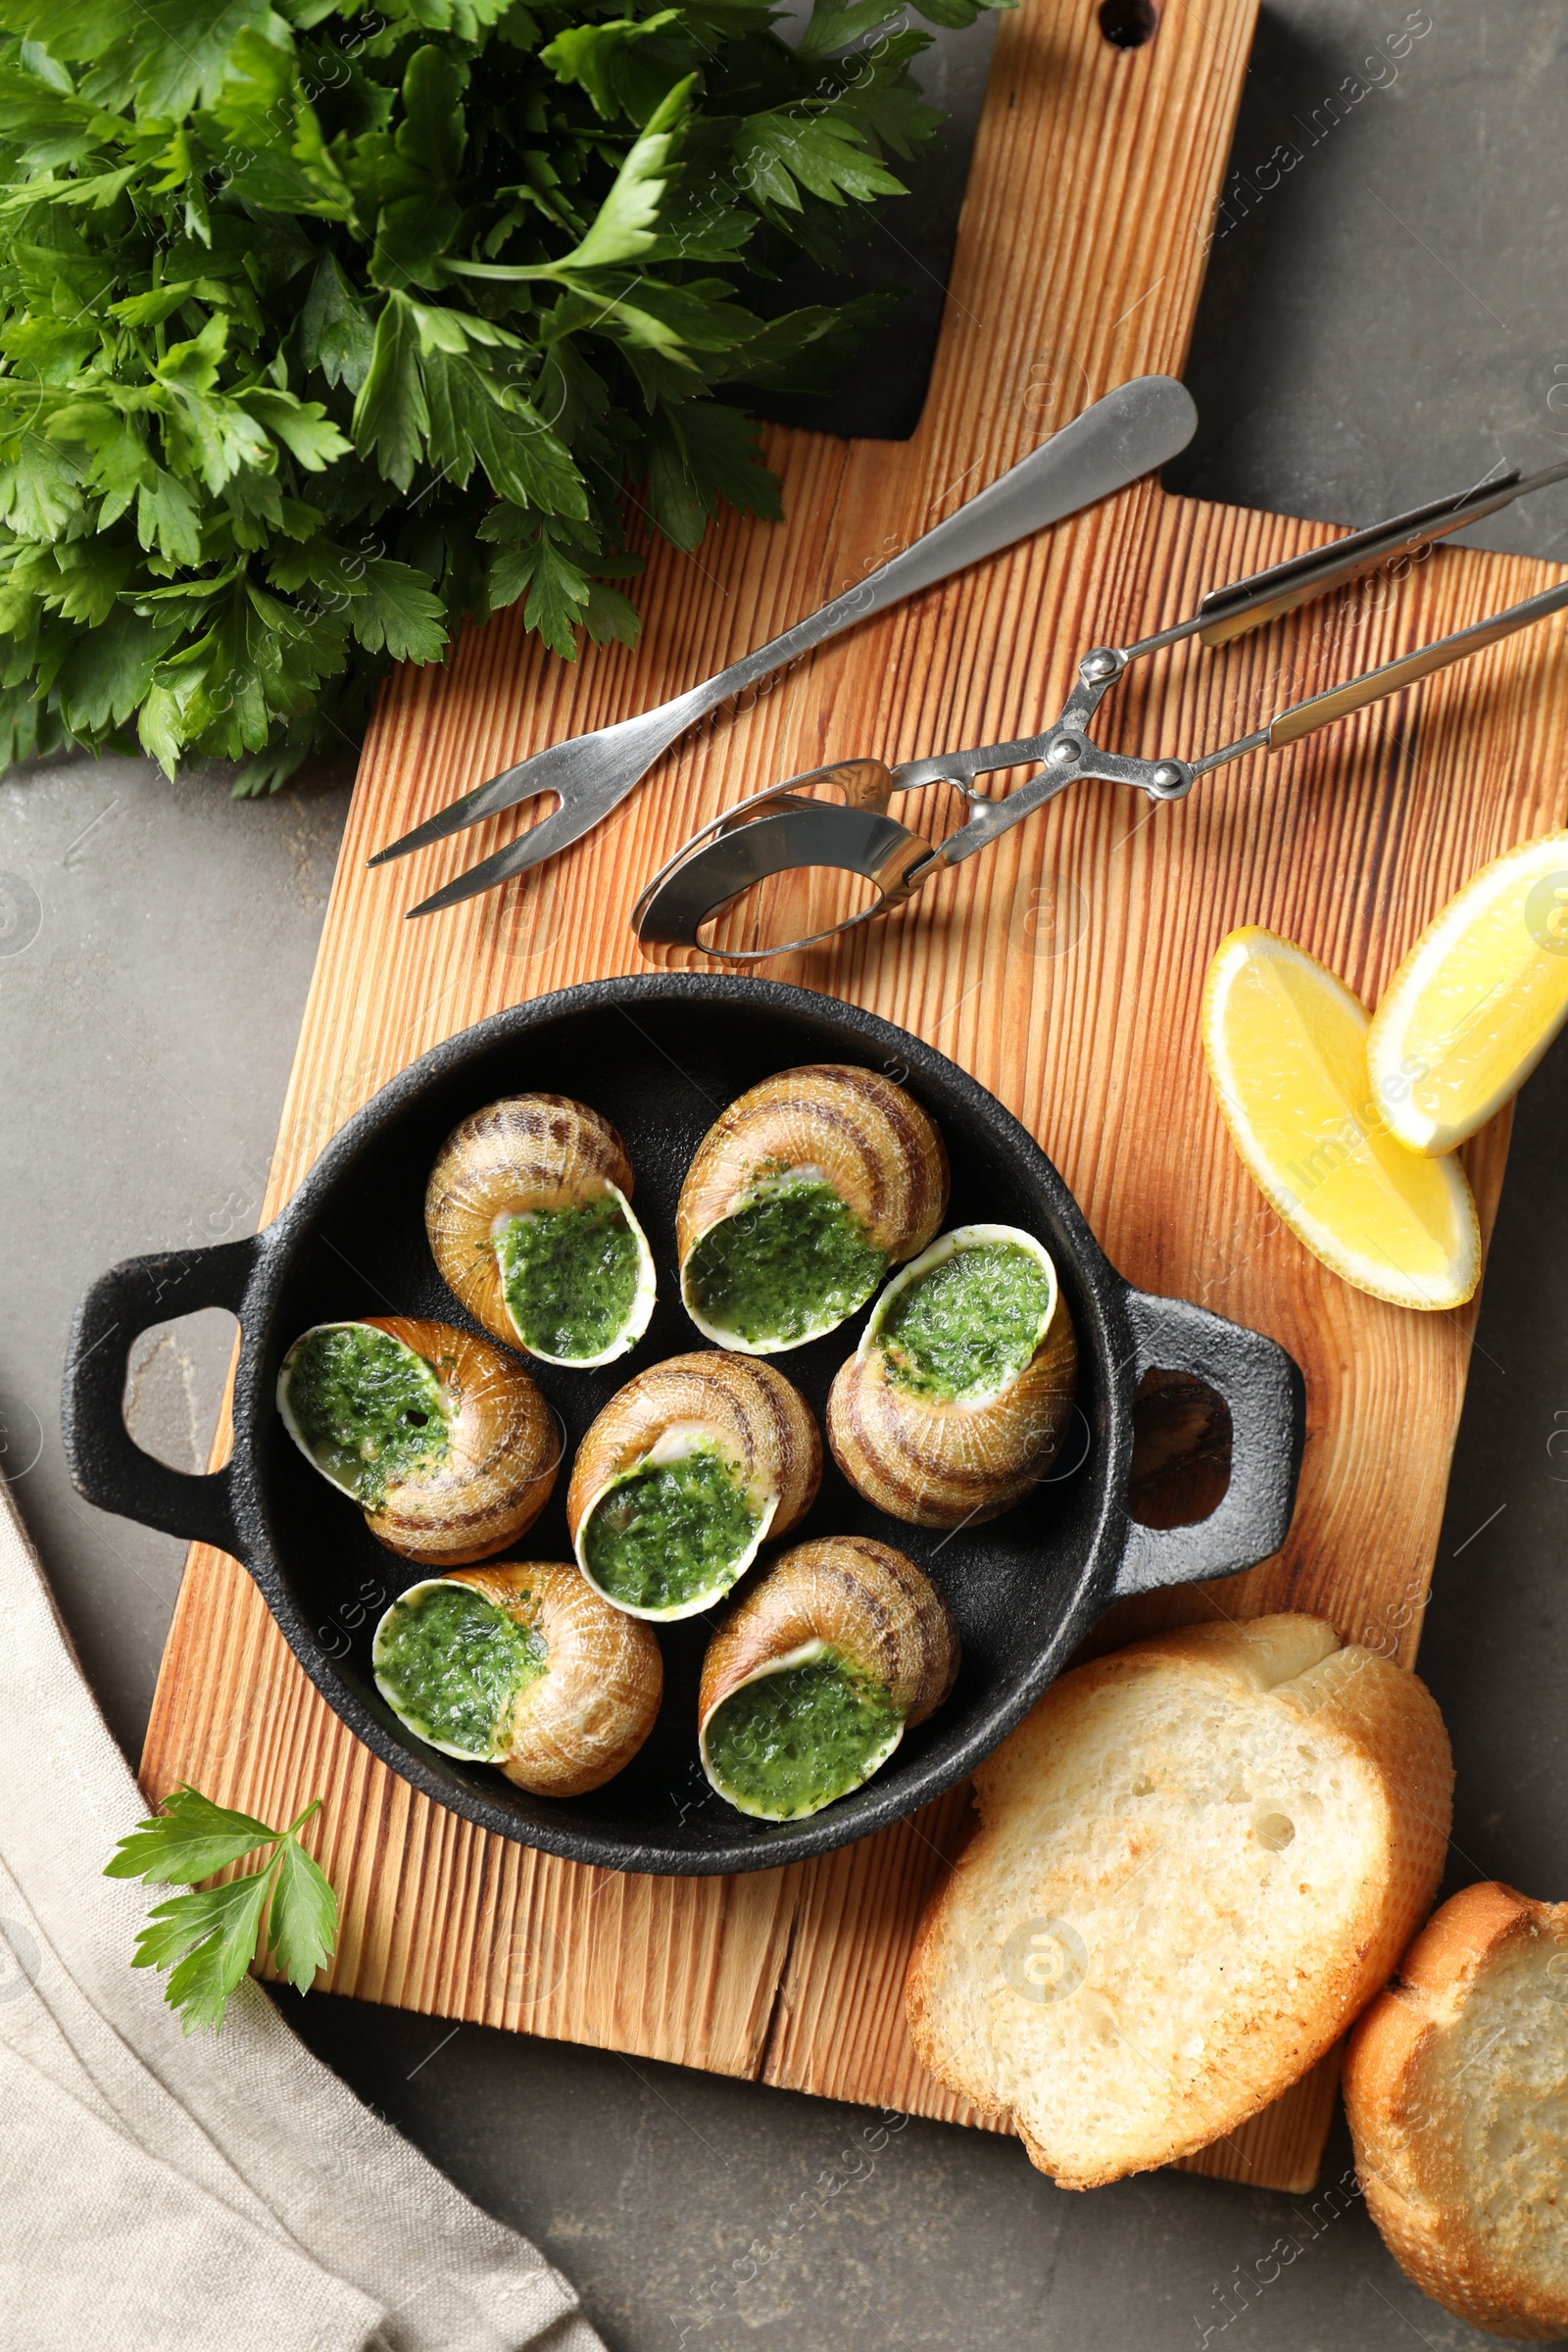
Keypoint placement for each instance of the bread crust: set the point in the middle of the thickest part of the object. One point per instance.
(1394, 2087)
(1373, 1711)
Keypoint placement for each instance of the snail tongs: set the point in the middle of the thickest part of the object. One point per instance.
(785, 827)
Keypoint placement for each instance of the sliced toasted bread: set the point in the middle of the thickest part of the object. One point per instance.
(1456, 2090)
(1198, 1859)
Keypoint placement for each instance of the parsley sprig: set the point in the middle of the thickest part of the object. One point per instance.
(208, 1939)
(325, 329)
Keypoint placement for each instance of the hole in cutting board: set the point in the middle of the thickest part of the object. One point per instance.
(1128, 24)
(910, 247)
(1382, 315)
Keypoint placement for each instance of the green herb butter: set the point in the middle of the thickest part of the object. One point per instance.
(368, 1409)
(791, 1260)
(969, 1325)
(570, 1276)
(452, 1663)
(792, 1742)
(670, 1533)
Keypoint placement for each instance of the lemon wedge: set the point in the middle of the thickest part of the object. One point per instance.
(1286, 1047)
(1476, 1002)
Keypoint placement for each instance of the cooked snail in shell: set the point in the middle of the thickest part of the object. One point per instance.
(528, 1210)
(520, 1665)
(810, 1684)
(801, 1196)
(959, 1391)
(444, 1443)
(685, 1472)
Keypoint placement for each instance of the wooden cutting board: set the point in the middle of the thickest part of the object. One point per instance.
(1063, 968)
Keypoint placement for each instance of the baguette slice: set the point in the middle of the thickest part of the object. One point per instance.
(1198, 1859)
(1456, 2091)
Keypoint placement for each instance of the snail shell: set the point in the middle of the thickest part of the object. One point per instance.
(757, 1422)
(523, 1156)
(589, 1707)
(953, 1462)
(851, 1128)
(847, 1597)
(502, 1453)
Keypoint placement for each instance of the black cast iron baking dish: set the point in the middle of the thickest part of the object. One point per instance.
(661, 1055)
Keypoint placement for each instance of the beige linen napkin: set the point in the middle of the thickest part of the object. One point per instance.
(166, 2194)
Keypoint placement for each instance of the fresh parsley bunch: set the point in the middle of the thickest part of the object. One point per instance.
(208, 1937)
(324, 329)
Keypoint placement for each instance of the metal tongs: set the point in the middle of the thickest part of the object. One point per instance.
(784, 828)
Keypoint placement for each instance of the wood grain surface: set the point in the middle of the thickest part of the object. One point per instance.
(1063, 968)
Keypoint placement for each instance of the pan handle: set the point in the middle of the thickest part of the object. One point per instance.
(107, 1466)
(1263, 1388)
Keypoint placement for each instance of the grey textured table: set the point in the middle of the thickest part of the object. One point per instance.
(1384, 325)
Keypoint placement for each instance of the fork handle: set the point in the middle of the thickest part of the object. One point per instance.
(1132, 429)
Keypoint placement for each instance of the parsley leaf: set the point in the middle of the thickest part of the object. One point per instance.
(335, 332)
(302, 1928)
(188, 1840)
(837, 24)
(625, 224)
(784, 155)
(391, 420)
(207, 1938)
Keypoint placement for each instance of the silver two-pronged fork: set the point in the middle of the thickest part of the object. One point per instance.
(1138, 426)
